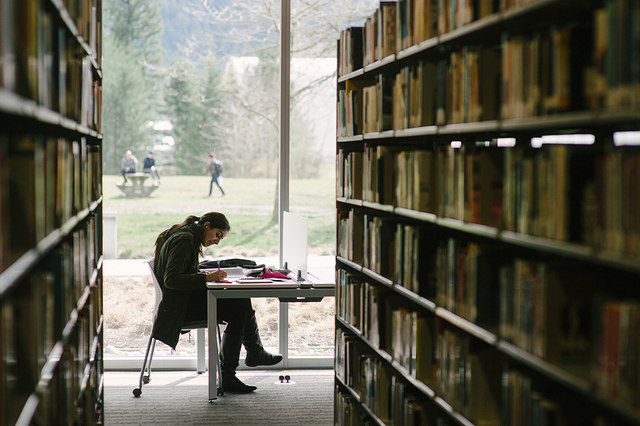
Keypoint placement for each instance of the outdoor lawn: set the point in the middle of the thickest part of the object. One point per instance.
(248, 204)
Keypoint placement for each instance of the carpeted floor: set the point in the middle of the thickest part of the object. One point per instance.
(180, 398)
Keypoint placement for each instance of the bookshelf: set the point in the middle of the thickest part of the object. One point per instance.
(51, 322)
(487, 231)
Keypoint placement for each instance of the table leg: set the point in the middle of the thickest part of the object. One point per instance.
(212, 322)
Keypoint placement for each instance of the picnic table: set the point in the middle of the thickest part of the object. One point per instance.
(135, 185)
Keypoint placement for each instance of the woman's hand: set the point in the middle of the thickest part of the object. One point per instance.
(216, 276)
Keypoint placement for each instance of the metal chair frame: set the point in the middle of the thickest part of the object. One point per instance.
(151, 345)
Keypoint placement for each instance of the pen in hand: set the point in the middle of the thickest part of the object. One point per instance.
(221, 278)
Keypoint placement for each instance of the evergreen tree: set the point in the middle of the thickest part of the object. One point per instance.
(125, 105)
(136, 25)
(186, 109)
(132, 50)
(212, 100)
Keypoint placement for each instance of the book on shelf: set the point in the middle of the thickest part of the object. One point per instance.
(354, 175)
(616, 367)
(350, 49)
(610, 223)
(484, 183)
(351, 228)
(407, 407)
(468, 377)
(379, 245)
(64, 182)
(403, 338)
(4, 203)
(612, 79)
(545, 311)
(25, 197)
(46, 74)
(467, 280)
(8, 54)
(11, 399)
(387, 29)
(383, 103)
(346, 408)
(452, 15)
(415, 257)
(26, 27)
(376, 377)
(523, 400)
(60, 62)
(541, 73)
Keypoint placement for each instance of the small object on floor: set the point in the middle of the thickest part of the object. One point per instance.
(284, 380)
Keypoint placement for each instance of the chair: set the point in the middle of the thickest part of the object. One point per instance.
(188, 326)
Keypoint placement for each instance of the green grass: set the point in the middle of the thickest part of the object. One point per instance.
(248, 205)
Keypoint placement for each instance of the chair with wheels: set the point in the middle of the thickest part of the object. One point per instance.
(188, 326)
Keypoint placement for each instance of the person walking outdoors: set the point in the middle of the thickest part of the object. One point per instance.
(214, 167)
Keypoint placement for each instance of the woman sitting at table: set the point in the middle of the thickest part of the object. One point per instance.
(184, 296)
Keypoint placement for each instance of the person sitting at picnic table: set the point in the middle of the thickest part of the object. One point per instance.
(129, 165)
(149, 166)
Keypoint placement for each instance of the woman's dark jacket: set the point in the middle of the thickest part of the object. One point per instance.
(176, 268)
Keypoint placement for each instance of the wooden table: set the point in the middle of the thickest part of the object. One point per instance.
(135, 187)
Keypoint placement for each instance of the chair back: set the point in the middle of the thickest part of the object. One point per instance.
(188, 325)
(157, 287)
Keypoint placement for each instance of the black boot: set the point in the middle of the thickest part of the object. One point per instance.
(256, 355)
(229, 358)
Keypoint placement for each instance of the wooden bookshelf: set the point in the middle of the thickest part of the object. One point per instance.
(488, 247)
(51, 321)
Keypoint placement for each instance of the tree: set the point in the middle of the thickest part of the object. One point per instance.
(125, 105)
(250, 29)
(136, 25)
(186, 109)
(131, 54)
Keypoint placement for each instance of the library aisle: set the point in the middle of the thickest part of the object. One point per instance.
(180, 397)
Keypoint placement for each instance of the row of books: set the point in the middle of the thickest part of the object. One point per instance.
(87, 16)
(406, 335)
(347, 410)
(405, 259)
(544, 73)
(525, 403)
(397, 25)
(457, 183)
(360, 304)
(69, 398)
(46, 181)
(413, 344)
(34, 316)
(610, 204)
(613, 79)
(546, 312)
(526, 77)
(468, 377)
(515, 188)
(458, 370)
(407, 408)
(466, 280)
(542, 310)
(41, 61)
